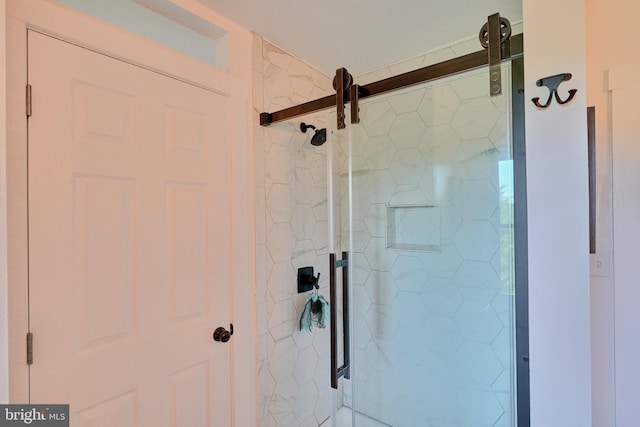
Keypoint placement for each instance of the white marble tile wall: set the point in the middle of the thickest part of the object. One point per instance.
(292, 230)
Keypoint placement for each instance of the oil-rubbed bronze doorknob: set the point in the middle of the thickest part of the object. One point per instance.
(221, 334)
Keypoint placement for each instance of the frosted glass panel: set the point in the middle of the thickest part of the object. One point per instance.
(183, 32)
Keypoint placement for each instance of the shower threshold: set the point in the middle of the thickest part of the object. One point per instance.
(343, 419)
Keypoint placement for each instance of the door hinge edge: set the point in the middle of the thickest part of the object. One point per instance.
(29, 348)
(28, 100)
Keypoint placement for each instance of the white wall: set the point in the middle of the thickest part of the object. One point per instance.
(559, 300)
(619, 48)
(625, 126)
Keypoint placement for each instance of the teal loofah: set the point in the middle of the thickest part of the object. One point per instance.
(305, 318)
(315, 313)
(324, 319)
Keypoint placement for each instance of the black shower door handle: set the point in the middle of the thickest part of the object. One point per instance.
(339, 371)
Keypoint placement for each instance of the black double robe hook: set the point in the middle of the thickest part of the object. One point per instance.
(552, 83)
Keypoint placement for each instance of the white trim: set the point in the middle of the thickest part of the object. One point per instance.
(4, 318)
(50, 18)
(16, 210)
(625, 157)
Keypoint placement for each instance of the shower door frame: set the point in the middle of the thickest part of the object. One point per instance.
(512, 50)
(521, 251)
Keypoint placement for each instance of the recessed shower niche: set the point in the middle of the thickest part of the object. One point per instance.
(414, 228)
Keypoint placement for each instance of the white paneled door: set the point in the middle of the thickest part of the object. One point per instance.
(129, 241)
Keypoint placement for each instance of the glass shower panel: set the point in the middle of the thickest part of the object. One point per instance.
(338, 198)
(432, 256)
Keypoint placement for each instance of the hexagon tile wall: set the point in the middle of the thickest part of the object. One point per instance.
(433, 304)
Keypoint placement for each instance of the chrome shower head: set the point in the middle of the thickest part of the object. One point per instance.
(319, 137)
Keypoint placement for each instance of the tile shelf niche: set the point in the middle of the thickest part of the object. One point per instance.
(414, 227)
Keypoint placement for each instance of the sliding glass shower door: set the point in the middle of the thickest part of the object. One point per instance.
(423, 204)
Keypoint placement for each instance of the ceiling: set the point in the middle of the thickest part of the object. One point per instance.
(361, 35)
